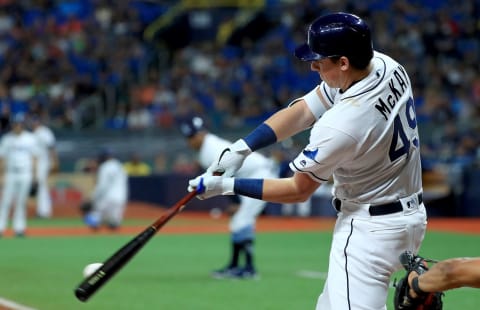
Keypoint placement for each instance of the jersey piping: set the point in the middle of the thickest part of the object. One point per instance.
(374, 86)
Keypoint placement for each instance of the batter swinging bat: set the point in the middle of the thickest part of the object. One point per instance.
(113, 264)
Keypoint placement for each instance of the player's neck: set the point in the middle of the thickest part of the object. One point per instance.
(355, 76)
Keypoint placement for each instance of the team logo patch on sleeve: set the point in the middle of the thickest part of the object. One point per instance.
(310, 154)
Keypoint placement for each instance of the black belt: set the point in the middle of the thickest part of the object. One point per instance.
(384, 209)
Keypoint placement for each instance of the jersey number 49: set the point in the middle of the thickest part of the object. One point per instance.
(400, 141)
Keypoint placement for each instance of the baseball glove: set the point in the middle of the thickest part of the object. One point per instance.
(33, 189)
(424, 301)
(86, 207)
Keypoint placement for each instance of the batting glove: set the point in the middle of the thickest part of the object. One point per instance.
(230, 160)
(210, 186)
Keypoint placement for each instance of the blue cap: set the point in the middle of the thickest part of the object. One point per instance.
(191, 127)
(105, 152)
(18, 118)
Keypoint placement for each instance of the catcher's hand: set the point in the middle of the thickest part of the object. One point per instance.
(424, 301)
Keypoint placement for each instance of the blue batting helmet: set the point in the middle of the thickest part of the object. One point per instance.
(190, 127)
(335, 35)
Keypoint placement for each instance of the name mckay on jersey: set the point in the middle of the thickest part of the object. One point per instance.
(397, 84)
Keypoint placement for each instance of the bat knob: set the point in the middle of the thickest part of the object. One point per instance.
(81, 294)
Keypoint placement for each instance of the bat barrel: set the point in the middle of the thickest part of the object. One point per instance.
(112, 265)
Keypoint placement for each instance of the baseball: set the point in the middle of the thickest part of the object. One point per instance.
(90, 269)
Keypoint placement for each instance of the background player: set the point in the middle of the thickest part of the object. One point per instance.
(242, 223)
(364, 134)
(47, 162)
(110, 195)
(18, 150)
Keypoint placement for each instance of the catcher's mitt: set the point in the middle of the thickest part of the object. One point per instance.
(424, 301)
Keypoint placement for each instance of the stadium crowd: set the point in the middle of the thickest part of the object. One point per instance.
(57, 56)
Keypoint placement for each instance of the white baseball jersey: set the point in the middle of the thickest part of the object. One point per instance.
(112, 182)
(367, 139)
(254, 166)
(111, 193)
(18, 152)
(46, 143)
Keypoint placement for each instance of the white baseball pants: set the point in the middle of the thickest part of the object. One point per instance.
(364, 255)
(15, 190)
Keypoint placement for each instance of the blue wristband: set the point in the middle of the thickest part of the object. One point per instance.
(260, 137)
(248, 187)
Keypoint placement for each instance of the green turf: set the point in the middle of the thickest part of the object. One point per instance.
(78, 222)
(172, 272)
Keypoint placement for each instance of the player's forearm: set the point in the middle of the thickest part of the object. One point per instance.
(283, 190)
(279, 126)
(291, 120)
(297, 188)
(283, 124)
(450, 274)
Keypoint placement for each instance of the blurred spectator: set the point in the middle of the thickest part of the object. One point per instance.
(55, 54)
(134, 166)
(184, 164)
(160, 163)
(139, 117)
(119, 118)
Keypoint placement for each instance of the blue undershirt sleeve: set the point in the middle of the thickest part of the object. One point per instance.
(260, 137)
(248, 187)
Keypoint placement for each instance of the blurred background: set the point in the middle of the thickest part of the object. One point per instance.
(120, 74)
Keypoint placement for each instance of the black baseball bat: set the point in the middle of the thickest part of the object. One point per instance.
(115, 262)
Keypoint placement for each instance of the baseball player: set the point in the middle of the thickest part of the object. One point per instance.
(18, 150)
(242, 223)
(47, 160)
(110, 195)
(364, 134)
